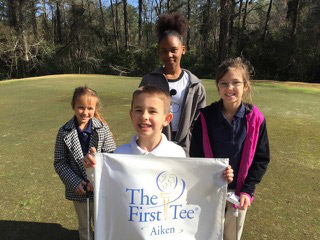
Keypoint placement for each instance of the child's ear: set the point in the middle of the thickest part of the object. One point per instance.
(245, 87)
(168, 119)
(130, 113)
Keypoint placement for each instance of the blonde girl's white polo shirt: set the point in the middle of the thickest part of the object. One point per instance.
(164, 149)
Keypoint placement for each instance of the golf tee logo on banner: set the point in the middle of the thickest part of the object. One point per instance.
(160, 206)
(147, 197)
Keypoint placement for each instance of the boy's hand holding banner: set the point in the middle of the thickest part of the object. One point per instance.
(146, 197)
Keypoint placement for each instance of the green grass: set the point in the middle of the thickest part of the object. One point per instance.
(32, 197)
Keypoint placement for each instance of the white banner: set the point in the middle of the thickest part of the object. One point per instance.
(146, 197)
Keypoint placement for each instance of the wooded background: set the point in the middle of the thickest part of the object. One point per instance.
(281, 38)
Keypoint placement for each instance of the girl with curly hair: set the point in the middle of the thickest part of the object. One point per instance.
(186, 90)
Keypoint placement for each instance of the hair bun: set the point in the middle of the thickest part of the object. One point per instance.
(172, 22)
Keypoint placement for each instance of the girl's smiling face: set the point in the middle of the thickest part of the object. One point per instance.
(232, 87)
(171, 50)
(84, 110)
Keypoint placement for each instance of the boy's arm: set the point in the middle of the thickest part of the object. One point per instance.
(62, 166)
(260, 162)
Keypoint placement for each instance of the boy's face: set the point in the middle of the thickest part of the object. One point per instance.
(148, 116)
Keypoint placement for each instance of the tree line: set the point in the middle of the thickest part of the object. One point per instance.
(280, 38)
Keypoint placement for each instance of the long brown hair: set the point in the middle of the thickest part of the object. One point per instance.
(86, 91)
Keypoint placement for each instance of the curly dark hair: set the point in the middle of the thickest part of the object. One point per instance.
(175, 24)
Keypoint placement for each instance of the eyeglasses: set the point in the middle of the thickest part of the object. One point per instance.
(234, 84)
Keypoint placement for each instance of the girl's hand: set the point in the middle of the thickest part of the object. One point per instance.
(244, 202)
(81, 188)
(89, 160)
(228, 174)
(89, 187)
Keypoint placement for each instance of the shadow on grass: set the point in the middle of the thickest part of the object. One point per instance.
(16, 230)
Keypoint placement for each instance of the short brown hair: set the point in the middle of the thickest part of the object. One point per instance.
(153, 90)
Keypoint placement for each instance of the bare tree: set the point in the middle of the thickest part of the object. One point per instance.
(267, 20)
(292, 15)
(45, 20)
(189, 17)
(158, 7)
(140, 21)
(23, 40)
(58, 23)
(103, 24)
(206, 24)
(114, 25)
(33, 11)
(224, 29)
(126, 31)
(232, 16)
(12, 13)
(244, 15)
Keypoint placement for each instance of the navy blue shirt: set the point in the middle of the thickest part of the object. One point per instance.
(228, 138)
(84, 136)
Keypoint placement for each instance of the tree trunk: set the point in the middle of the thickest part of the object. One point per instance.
(244, 15)
(267, 21)
(158, 7)
(231, 23)
(140, 22)
(239, 26)
(205, 27)
(293, 12)
(23, 40)
(115, 35)
(45, 21)
(12, 13)
(59, 29)
(189, 17)
(126, 32)
(240, 13)
(103, 24)
(145, 8)
(34, 18)
(224, 29)
(117, 20)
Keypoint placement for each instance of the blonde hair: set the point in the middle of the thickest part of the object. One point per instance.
(86, 91)
(153, 91)
(244, 67)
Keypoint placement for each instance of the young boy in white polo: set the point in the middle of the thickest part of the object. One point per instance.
(149, 113)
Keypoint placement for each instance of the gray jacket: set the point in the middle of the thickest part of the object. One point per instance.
(195, 99)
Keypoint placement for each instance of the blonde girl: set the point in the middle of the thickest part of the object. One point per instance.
(86, 131)
(232, 128)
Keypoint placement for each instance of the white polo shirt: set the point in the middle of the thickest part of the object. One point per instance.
(164, 149)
